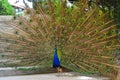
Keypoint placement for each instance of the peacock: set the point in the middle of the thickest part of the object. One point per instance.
(56, 60)
(79, 38)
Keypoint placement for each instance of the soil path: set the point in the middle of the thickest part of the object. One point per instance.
(54, 76)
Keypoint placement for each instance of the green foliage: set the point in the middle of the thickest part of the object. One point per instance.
(5, 8)
(111, 6)
(117, 13)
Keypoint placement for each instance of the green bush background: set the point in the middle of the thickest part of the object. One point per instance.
(5, 8)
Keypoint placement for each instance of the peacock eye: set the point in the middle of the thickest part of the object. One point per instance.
(63, 40)
(96, 31)
(70, 28)
(25, 28)
(6, 40)
(28, 12)
(43, 27)
(16, 32)
(45, 3)
(48, 12)
(22, 38)
(36, 11)
(54, 14)
(105, 34)
(30, 20)
(113, 31)
(96, 39)
(81, 36)
(94, 22)
(14, 17)
(39, 35)
(52, 36)
(104, 46)
(39, 19)
(50, 28)
(20, 23)
(55, 6)
(56, 39)
(36, 27)
(88, 45)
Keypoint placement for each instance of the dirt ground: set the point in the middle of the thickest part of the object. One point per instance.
(54, 76)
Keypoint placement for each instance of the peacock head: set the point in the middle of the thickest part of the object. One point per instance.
(55, 49)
